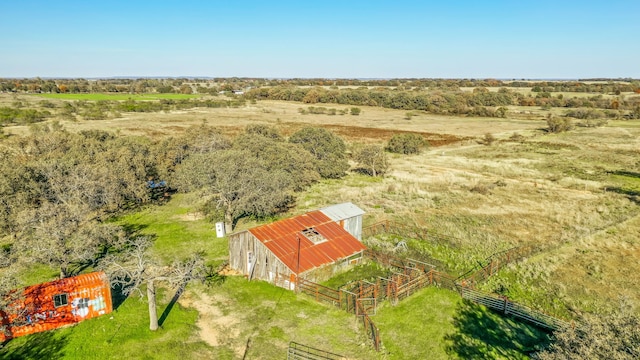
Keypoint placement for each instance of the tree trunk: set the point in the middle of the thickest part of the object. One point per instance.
(228, 222)
(63, 271)
(151, 298)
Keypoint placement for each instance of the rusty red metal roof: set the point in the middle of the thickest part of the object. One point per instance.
(282, 237)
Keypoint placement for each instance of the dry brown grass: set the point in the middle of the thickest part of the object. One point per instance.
(285, 115)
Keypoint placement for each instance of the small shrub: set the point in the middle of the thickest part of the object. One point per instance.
(355, 111)
(371, 160)
(558, 124)
(406, 144)
(483, 188)
(488, 139)
(517, 138)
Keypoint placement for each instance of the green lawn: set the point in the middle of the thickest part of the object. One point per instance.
(123, 334)
(438, 324)
(107, 96)
(178, 230)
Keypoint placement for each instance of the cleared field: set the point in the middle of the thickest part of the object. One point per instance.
(286, 117)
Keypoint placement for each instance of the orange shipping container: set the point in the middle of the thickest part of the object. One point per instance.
(55, 304)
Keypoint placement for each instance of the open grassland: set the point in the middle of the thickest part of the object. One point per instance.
(373, 123)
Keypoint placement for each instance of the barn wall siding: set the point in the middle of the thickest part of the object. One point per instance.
(265, 266)
(353, 225)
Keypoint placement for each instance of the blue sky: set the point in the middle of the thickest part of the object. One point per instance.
(334, 39)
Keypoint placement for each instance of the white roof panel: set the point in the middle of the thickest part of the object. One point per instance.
(342, 211)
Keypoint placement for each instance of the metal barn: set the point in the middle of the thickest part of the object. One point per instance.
(312, 246)
(348, 216)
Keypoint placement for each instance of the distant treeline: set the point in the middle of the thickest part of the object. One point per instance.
(103, 109)
(216, 85)
(437, 96)
(480, 102)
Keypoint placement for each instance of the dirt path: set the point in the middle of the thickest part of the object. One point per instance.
(216, 329)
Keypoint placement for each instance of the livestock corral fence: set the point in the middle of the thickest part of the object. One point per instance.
(465, 284)
(362, 297)
(407, 276)
(493, 264)
(303, 352)
(507, 307)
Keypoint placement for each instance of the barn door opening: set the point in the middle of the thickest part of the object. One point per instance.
(250, 261)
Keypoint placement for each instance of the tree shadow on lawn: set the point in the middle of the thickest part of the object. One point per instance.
(44, 345)
(484, 334)
(213, 278)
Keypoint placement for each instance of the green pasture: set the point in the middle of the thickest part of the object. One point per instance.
(117, 97)
(438, 324)
(123, 334)
(178, 230)
(255, 320)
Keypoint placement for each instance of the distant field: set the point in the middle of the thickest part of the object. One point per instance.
(103, 96)
(373, 123)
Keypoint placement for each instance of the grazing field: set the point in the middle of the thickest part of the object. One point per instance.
(374, 124)
(232, 318)
(575, 196)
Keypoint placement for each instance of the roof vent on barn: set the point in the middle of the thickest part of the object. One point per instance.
(313, 235)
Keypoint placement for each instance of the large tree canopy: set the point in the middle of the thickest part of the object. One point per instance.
(256, 177)
(246, 187)
(59, 186)
(328, 149)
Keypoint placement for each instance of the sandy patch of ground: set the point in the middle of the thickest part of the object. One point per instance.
(192, 216)
(216, 329)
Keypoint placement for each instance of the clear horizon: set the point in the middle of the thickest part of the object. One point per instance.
(464, 39)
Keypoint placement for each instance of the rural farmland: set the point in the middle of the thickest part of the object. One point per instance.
(146, 177)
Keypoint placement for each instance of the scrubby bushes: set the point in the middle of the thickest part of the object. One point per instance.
(406, 144)
(559, 124)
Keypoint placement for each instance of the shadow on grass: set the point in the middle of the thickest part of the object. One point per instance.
(133, 229)
(212, 278)
(117, 296)
(484, 334)
(632, 195)
(626, 173)
(44, 345)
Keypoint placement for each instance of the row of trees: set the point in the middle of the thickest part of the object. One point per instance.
(103, 109)
(214, 85)
(480, 102)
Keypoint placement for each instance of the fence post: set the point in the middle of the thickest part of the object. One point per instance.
(504, 306)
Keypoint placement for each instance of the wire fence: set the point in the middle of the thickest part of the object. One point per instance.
(507, 307)
(303, 352)
(465, 284)
(408, 276)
